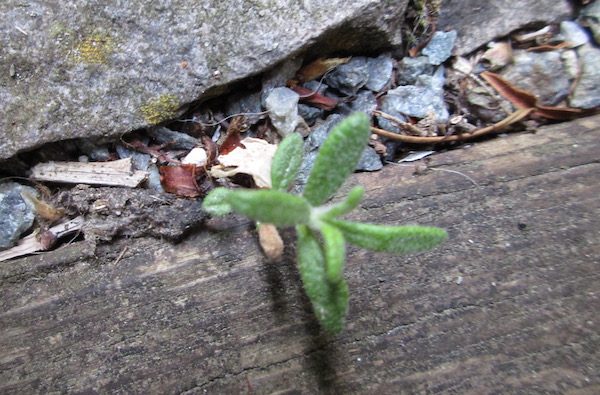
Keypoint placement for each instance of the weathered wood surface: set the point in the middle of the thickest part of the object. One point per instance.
(508, 305)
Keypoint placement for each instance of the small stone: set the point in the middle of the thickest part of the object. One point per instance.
(348, 78)
(139, 160)
(282, 104)
(380, 72)
(435, 81)
(310, 114)
(319, 134)
(573, 33)
(417, 101)
(590, 17)
(278, 76)
(369, 161)
(587, 91)
(16, 216)
(541, 73)
(177, 140)
(247, 104)
(363, 102)
(439, 49)
(409, 69)
(96, 152)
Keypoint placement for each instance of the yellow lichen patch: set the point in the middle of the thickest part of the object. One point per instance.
(160, 109)
(95, 47)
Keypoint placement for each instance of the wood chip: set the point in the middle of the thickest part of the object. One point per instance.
(33, 243)
(114, 173)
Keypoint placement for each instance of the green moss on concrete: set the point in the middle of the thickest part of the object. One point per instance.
(95, 47)
(160, 109)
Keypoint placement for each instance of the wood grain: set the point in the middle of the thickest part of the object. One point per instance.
(509, 304)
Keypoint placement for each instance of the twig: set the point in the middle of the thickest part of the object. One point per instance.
(516, 116)
(121, 254)
(21, 30)
(408, 126)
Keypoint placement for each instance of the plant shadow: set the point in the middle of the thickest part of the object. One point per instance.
(290, 304)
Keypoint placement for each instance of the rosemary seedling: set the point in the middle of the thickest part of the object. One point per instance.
(321, 236)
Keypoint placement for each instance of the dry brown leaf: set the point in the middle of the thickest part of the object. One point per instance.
(180, 180)
(315, 99)
(524, 99)
(319, 67)
(519, 97)
(560, 113)
(547, 47)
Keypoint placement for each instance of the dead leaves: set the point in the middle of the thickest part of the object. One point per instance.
(523, 99)
(180, 180)
(315, 99)
(319, 67)
(253, 157)
(525, 102)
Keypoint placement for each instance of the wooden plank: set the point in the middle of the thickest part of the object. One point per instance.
(509, 304)
(114, 173)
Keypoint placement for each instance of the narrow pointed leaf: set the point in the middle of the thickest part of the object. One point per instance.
(337, 158)
(286, 162)
(352, 201)
(329, 300)
(393, 239)
(275, 207)
(335, 252)
(216, 203)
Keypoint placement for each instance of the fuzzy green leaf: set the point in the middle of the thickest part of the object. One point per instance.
(393, 239)
(275, 207)
(352, 201)
(329, 300)
(337, 158)
(215, 202)
(286, 162)
(335, 252)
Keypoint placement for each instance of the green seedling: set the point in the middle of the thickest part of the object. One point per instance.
(321, 237)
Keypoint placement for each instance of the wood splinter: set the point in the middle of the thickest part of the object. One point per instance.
(114, 173)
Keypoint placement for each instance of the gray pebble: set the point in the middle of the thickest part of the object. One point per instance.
(409, 69)
(369, 161)
(178, 140)
(16, 215)
(380, 72)
(587, 91)
(350, 77)
(439, 49)
(417, 101)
